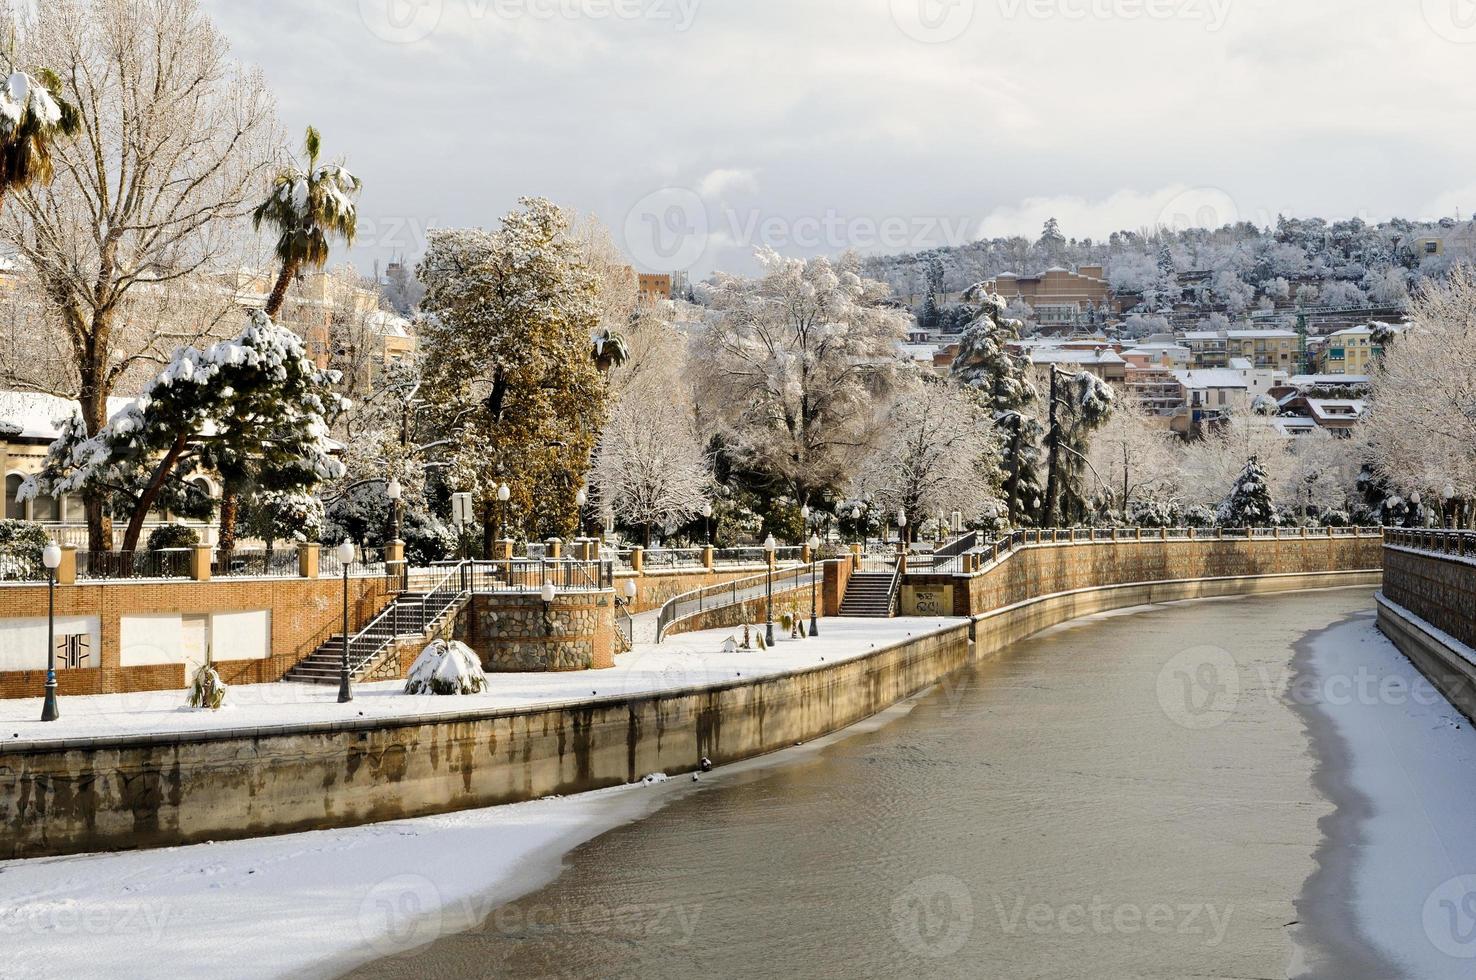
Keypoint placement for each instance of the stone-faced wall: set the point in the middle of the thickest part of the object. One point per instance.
(795, 601)
(513, 632)
(1440, 589)
(1040, 569)
(305, 612)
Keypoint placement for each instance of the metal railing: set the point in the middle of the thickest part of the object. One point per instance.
(256, 563)
(163, 564)
(1461, 544)
(698, 601)
(21, 565)
(531, 575)
(368, 562)
(406, 615)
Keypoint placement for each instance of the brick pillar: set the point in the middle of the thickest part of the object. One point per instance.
(555, 547)
(307, 559)
(637, 559)
(902, 557)
(709, 556)
(66, 571)
(1219, 534)
(200, 562)
(856, 557)
(804, 554)
(502, 550)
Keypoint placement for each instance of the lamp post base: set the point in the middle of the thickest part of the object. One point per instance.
(814, 624)
(49, 709)
(345, 693)
(769, 634)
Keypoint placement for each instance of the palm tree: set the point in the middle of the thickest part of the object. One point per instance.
(33, 115)
(306, 208)
(610, 350)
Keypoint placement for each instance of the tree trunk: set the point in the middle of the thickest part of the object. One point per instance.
(151, 493)
(1053, 437)
(93, 400)
(279, 290)
(230, 505)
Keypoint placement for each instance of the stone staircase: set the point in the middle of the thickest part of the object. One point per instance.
(869, 594)
(408, 616)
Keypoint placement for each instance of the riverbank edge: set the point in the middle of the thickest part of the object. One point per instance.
(1328, 941)
(143, 792)
(1445, 661)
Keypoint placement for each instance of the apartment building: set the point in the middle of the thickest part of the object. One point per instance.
(1347, 352)
(1060, 297)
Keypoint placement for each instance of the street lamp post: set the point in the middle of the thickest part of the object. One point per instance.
(394, 492)
(50, 557)
(345, 558)
(503, 493)
(804, 520)
(814, 561)
(707, 521)
(580, 499)
(769, 546)
(902, 529)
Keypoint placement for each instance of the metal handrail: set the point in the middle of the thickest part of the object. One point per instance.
(680, 607)
(365, 646)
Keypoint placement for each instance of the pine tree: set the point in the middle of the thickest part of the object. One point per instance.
(1249, 503)
(1002, 381)
(1079, 404)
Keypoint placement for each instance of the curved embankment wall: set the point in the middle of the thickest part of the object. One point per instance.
(147, 791)
(1428, 610)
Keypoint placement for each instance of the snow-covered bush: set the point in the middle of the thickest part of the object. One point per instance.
(1199, 515)
(172, 536)
(446, 668)
(207, 690)
(1153, 513)
(1249, 502)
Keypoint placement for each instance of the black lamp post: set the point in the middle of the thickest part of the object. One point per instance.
(769, 545)
(707, 521)
(345, 558)
(394, 492)
(503, 493)
(580, 499)
(50, 557)
(814, 560)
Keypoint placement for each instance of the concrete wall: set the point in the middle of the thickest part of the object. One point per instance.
(656, 587)
(795, 601)
(145, 791)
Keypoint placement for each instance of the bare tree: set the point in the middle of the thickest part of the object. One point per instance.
(650, 468)
(1134, 457)
(149, 199)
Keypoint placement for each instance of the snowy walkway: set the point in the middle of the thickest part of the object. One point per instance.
(685, 660)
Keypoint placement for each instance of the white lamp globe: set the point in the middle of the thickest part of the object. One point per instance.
(901, 518)
(581, 498)
(345, 552)
(814, 542)
(630, 588)
(394, 491)
(548, 593)
(770, 544)
(707, 510)
(503, 493)
(51, 555)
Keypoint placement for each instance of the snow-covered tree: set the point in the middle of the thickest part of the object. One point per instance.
(506, 339)
(1422, 419)
(33, 116)
(308, 207)
(1077, 404)
(1002, 381)
(650, 469)
(939, 453)
(792, 365)
(149, 200)
(251, 409)
(1136, 458)
(1249, 502)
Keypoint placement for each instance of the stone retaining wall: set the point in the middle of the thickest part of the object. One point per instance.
(146, 791)
(514, 633)
(1428, 610)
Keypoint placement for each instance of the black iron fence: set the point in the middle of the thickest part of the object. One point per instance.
(532, 574)
(256, 563)
(739, 590)
(164, 563)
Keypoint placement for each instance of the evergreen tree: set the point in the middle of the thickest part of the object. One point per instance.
(1002, 382)
(1249, 502)
(1079, 404)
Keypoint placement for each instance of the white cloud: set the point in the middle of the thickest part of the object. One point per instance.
(723, 181)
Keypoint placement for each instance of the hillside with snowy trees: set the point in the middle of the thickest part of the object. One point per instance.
(1232, 270)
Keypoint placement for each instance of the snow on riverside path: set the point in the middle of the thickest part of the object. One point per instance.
(1407, 769)
(682, 661)
(318, 903)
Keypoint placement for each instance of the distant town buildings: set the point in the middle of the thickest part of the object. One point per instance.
(1060, 297)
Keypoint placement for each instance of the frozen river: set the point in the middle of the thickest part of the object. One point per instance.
(1166, 793)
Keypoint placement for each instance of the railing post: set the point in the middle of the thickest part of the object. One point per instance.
(307, 559)
(66, 571)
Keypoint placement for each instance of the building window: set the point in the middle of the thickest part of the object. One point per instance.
(14, 509)
(1431, 248)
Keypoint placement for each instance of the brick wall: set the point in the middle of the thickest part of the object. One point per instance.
(304, 612)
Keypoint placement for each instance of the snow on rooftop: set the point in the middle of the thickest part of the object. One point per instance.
(32, 415)
(1212, 378)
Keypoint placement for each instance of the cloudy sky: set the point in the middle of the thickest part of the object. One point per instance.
(700, 129)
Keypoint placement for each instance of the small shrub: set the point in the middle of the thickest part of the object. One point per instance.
(207, 690)
(446, 668)
(172, 536)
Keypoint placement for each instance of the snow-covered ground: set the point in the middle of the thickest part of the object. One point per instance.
(682, 661)
(1407, 772)
(313, 904)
